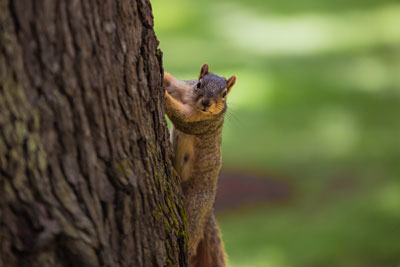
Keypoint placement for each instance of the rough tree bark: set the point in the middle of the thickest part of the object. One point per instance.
(85, 163)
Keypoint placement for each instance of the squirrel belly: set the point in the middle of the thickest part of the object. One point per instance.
(183, 146)
(196, 109)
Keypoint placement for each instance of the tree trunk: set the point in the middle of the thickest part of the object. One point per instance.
(86, 177)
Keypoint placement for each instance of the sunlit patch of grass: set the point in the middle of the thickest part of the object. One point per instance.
(343, 231)
(336, 132)
(252, 89)
(265, 256)
(288, 7)
(389, 199)
(272, 35)
(172, 15)
(367, 73)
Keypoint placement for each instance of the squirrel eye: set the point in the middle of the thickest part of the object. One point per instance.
(198, 85)
(224, 94)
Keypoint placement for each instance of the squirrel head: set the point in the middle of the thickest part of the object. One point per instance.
(211, 91)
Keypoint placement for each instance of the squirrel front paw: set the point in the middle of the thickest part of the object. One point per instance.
(167, 95)
(168, 78)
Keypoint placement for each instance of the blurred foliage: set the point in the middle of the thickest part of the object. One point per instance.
(317, 102)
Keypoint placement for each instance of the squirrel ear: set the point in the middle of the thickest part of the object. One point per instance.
(231, 82)
(204, 70)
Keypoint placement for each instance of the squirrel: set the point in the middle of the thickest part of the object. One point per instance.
(196, 109)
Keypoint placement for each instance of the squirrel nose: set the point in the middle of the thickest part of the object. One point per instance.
(206, 103)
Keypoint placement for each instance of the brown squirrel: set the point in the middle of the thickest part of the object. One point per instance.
(196, 109)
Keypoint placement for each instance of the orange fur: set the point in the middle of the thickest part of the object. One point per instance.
(231, 82)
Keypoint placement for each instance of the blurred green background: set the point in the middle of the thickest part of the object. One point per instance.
(317, 106)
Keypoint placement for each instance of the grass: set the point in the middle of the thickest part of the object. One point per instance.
(317, 102)
(325, 232)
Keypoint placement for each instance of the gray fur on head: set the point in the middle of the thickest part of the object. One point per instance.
(213, 84)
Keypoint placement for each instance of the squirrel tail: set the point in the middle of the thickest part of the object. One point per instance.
(210, 251)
